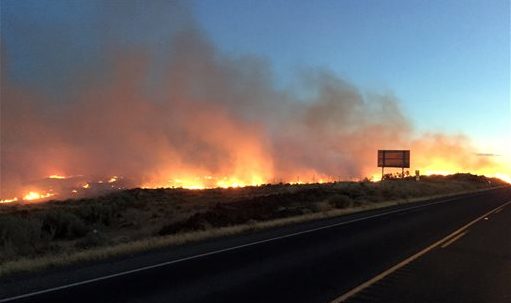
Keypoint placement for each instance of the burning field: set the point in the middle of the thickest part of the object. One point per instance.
(203, 120)
(186, 115)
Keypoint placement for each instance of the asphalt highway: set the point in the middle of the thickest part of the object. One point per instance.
(473, 266)
(397, 254)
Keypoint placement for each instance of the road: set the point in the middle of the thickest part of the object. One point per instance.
(445, 250)
(472, 266)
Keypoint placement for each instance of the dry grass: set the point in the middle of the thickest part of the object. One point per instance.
(105, 227)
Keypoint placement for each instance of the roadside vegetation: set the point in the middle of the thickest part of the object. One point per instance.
(39, 235)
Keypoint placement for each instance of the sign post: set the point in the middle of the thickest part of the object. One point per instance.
(393, 158)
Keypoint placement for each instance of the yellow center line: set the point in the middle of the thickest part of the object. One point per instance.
(410, 259)
(453, 239)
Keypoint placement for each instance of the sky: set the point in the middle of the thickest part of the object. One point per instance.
(344, 77)
(448, 62)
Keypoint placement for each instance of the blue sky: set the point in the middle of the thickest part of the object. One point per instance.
(448, 62)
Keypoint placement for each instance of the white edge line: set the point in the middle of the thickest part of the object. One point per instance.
(405, 262)
(217, 252)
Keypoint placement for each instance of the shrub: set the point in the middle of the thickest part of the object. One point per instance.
(19, 236)
(323, 206)
(60, 224)
(340, 201)
(91, 239)
(97, 213)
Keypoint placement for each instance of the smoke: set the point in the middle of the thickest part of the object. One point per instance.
(188, 114)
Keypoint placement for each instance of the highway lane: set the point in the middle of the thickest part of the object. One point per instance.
(473, 266)
(316, 266)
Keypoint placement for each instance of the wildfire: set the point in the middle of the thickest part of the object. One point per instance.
(438, 172)
(207, 181)
(9, 200)
(57, 177)
(194, 187)
(233, 182)
(375, 178)
(33, 195)
(187, 133)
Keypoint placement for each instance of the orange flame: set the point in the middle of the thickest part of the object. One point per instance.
(57, 177)
(9, 200)
(33, 195)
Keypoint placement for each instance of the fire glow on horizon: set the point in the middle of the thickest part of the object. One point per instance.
(201, 183)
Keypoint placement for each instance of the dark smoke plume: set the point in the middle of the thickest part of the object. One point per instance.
(192, 114)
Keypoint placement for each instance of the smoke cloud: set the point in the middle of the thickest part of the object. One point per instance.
(191, 114)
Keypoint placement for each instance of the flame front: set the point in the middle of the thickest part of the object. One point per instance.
(33, 195)
(15, 199)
